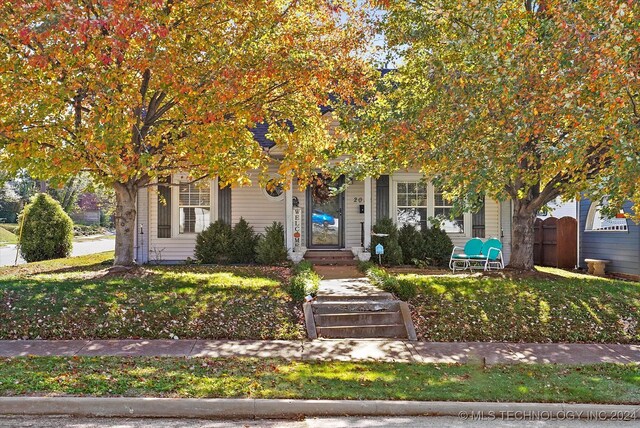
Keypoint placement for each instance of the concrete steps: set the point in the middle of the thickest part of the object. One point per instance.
(395, 331)
(330, 257)
(377, 315)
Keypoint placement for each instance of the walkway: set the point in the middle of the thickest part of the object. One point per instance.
(335, 349)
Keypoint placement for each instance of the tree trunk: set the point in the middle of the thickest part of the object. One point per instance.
(125, 222)
(524, 218)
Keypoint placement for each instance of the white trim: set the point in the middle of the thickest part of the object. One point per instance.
(591, 214)
(175, 208)
(271, 198)
(393, 201)
(368, 202)
(288, 215)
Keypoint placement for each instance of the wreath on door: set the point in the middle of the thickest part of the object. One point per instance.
(320, 188)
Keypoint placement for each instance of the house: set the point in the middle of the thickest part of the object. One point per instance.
(616, 239)
(169, 217)
(88, 211)
(559, 209)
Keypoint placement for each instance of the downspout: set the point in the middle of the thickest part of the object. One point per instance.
(136, 240)
(578, 232)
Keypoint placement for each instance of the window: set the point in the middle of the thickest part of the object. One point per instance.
(598, 222)
(194, 206)
(274, 190)
(442, 209)
(411, 203)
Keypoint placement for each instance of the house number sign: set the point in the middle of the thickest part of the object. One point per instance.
(297, 227)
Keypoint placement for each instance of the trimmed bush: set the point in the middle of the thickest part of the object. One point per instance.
(412, 244)
(304, 281)
(213, 244)
(437, 246)
(47, 231)
(271, 249)
(244, 241)
(404, 289)
(392, 252)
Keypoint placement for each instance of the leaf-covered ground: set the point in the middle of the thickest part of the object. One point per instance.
(550, 306)
(74, 299)
(266, 378)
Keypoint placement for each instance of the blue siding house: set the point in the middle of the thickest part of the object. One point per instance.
(616, 239)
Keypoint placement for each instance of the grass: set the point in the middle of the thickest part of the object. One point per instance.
(270, 378)
(11, 227)
(74, 299)
(550, 306)
(7, 237)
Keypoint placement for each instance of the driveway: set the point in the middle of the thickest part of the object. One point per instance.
(80, 248)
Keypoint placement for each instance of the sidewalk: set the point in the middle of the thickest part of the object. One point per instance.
(334, 349)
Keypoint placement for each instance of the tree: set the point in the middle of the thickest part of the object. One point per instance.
(133, 91)
(520, 100)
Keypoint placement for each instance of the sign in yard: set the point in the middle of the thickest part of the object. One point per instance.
(297, 227)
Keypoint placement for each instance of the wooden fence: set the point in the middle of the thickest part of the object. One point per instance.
(555, 242)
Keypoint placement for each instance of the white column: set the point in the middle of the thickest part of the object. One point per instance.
(288, 217)
(368, 204)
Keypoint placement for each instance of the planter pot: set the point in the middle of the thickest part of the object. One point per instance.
(364, 256)
(297, 256)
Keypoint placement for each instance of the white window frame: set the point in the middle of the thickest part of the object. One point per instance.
(175, 206)
(591, 215)
(409, 177)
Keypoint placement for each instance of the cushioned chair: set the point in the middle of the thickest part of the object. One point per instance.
(490, 256)
(460, 257)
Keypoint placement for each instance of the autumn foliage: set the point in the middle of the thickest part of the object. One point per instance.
(517, 100)
(130, 91)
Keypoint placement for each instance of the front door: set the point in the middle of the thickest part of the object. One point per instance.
(325, 221)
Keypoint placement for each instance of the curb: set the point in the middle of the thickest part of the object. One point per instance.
(136, 407)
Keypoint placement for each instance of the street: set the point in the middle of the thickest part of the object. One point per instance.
(340, 422)
(80, 248)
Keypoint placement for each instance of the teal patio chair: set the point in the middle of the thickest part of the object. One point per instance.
(490, 256)
(460, 257)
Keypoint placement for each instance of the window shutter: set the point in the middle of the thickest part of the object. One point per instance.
(478, 222)
(224, 204)
(164, 208)
(382, 197)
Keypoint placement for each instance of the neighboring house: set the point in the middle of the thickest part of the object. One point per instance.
(169, 217)
(560, 209)
(616, 239)
(88, 210)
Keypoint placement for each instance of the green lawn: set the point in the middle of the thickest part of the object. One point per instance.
(72, 299)
(267, 378)
(7, 237)
(550, 306)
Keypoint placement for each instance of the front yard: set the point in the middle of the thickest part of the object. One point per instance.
(74, 299)
(270, 378)
(551, 305)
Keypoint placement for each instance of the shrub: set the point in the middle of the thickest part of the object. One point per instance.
(304, 265)
(404, 290)
(47, 231)
(213, 243)
(392, 252)
(304, 282)
(244, 241)
(412, 244)
(271, 249)
(437, 246)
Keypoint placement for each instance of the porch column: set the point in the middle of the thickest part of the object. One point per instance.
(367, 211)
(288, 217)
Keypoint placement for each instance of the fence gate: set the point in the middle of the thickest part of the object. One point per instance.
(555, 242)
